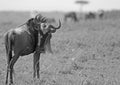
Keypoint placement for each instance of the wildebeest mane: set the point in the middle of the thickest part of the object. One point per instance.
(31, 24)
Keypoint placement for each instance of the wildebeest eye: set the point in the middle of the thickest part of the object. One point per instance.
(44, 26)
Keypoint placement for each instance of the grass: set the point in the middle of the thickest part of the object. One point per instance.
(85, 53)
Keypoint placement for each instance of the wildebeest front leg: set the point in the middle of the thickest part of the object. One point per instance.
(36, 58)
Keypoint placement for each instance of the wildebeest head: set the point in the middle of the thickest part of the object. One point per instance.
(40, 24)
(39, 20)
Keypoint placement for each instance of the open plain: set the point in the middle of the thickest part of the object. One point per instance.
(85, 53)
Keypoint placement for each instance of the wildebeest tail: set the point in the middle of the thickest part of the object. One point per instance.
(8, 47)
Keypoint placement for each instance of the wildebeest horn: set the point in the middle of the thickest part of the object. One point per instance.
(38, 17)
(43, 19)
(56, 27)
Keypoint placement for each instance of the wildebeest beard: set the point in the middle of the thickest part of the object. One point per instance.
(45, 44)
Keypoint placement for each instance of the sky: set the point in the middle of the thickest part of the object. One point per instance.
(57, 5)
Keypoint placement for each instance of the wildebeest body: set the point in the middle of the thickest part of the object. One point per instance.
(23, 42)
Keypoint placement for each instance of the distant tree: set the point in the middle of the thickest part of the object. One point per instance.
(82, 3)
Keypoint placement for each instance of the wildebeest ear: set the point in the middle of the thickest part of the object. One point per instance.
(30, 22)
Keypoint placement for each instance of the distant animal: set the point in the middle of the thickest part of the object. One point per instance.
(90, 15)
(32, 37)
(71, 15)
(101, 14)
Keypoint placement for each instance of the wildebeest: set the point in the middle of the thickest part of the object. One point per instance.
(71, 15)
(32, 37)
(101, 14)
(90, 15)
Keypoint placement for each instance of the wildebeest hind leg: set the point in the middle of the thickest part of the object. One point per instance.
(9, 57)
(11, 65)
